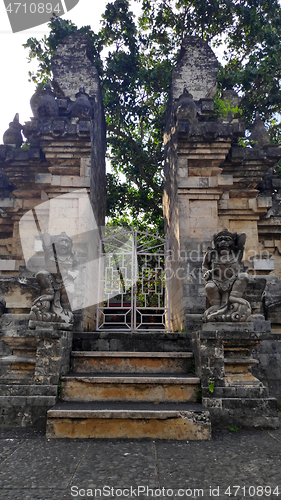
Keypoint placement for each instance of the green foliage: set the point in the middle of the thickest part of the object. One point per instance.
(250, 32)
(274, 130)
(223, 107)
(25, 146)
(211, 386)
(253, 57)
(59, 389)
(232, 428)
(135, 59)
(246, 142)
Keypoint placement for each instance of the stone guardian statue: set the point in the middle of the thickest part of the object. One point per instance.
(226, 278)
(56, 281)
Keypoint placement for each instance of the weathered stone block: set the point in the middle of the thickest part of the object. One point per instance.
(223, 352)
(34, 391)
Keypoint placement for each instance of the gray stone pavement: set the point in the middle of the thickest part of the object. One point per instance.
(245, 464)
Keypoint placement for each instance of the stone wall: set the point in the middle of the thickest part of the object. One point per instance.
(73, 68)
(210, 181)
(269, 368)
(171, 221)
(233, 393)
(63, 161)
(194, 150)
(32, 362)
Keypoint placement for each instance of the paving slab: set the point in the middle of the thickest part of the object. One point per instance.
(35, 495)
(41, 463)
(119, 464)
(8, 447)
(244, 458)
(34, 468)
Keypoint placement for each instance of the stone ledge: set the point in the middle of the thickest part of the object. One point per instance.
(39, 333)
(18, 359)
(240, 361)
(212, 130)
(49, 326)
(8, 389)
(243, 412)
(27, 401)
(234, 331)
(153, 414)
(127, 354)
(128, 378)
(258, 404)
(237, 392)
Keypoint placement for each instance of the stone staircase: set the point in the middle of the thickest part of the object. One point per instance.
(129, 394)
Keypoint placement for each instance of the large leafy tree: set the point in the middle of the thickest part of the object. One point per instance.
(135, 59)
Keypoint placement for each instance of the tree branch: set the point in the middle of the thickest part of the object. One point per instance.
(137, 150)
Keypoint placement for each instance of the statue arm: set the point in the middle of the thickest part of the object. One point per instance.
(241, 240)
(74, 270)
(206, 266)
(47, 246)
(75, 262)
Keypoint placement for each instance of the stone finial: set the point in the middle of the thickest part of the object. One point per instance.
(226, 279)
(81, 107)
(12, 136)
(72, 66)
(259, 133)
(43, 103)
(186, 107)
(197, 69)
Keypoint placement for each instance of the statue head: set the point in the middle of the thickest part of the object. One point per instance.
(63, 244)
(224, 240)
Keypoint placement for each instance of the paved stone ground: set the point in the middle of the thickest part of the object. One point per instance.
(34, 468)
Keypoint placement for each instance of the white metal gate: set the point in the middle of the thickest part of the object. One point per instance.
(133, 282)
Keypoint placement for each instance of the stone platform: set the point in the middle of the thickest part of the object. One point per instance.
(31, 362)
(223, 359)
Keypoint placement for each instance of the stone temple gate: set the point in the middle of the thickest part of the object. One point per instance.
(120, 321)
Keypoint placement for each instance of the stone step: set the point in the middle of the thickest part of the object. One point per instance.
(241, 361)
(18, 359)
(27, 390)
(153, 341)
(18, 366)
(24, 401)
(129, 387)
(180, 421)
(131, 362)
(16, 377)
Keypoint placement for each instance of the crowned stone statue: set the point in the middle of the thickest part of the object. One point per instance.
(226, 278)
